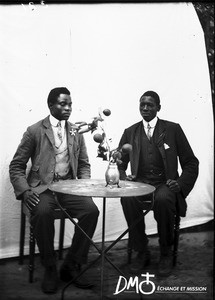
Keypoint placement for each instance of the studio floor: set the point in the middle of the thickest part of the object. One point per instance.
(192, 278)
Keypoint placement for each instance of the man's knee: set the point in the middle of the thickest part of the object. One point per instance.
(91, 208)
(42, 210)
(128, 201)
(94, 211)
(165, 200)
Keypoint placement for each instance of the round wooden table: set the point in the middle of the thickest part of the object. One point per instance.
(99, 188)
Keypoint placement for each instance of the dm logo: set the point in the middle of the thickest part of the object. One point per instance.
(145, 287)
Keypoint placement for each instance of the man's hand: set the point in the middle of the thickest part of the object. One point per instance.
(30, 199)
(130, 178)
(173, 185)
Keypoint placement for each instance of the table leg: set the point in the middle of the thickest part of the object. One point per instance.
(103, 247)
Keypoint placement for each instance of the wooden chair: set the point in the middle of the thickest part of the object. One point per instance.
(58, 214)
(146, 205)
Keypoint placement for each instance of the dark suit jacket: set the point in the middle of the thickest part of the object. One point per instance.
(173, 146)
(38, 145)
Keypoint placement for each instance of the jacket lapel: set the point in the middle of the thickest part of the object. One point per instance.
(159, 136)
(70, 134)
(160, 131)
(48, 131)
(71, 140)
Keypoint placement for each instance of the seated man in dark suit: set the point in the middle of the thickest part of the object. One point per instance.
(56, 152)
(157, 146)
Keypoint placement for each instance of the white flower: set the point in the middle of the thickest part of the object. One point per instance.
(73, 131)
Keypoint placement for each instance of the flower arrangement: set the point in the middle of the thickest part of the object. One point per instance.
(104, 150)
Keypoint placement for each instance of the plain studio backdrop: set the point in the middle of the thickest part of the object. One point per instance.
(107, 55)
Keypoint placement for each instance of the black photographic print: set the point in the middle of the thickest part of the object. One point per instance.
(109, 56)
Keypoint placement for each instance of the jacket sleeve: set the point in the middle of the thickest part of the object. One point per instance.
(125, 157)
(18, 165)
(84, 170)
(189, 163)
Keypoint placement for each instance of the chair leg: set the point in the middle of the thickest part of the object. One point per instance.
(176, 239)
(31, 254)
(129, 250)
(22, 237)
(61, 236)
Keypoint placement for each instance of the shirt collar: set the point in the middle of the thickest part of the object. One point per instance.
(152, 123)
(55, 121)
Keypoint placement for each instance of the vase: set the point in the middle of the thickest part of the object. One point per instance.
(112, 174)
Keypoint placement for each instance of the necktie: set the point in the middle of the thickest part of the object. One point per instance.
(149, 134)
(59, 131)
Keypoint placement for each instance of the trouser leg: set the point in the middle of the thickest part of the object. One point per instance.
(85, 210)
(132, 211)
(164, 213)
(42, 220)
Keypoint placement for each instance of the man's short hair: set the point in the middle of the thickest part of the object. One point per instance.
(152, 94)
(55, 93)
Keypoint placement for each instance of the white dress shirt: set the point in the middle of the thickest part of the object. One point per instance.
(152, 124)
(54, 122)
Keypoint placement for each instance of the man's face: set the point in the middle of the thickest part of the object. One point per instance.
(148, 108)
(62, 108)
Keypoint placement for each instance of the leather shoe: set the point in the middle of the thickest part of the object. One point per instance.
(50, 280)
(142, 260)
(165, 265)
(68, 273)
